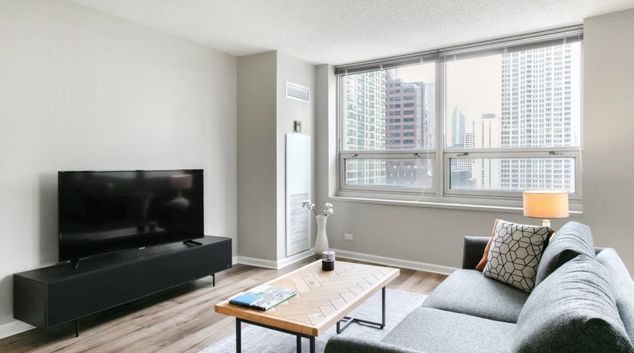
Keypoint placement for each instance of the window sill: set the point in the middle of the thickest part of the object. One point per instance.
(448, 205)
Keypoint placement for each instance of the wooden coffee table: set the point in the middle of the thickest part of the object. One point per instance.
(323, 299)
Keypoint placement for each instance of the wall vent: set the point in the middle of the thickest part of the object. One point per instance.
(298, 92)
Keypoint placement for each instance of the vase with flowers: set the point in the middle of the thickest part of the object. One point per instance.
(321, 240)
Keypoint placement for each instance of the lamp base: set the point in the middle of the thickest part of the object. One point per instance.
(545, 222)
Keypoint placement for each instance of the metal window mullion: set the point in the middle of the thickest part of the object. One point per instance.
(387, 155)
(513, 150)
(340, 133)
(498, 154)
(578, 195)
(441, 92)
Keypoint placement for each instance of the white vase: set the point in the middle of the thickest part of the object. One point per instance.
(321, 240)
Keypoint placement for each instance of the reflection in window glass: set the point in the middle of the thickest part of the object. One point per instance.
(395, 172)
(512, 174)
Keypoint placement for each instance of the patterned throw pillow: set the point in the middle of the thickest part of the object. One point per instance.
(515, 253)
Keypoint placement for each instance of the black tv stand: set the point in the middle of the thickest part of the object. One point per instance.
(59, 294)
(192, 242)
(75, 263)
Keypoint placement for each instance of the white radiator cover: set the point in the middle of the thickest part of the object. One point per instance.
(298, 190)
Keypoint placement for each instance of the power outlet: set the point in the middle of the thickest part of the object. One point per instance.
(348, 236)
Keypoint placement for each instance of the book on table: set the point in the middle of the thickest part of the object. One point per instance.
(263, 298)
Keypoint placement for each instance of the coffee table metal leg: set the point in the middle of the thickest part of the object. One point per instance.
(382, 307)
(350, 320)
(238, 336)
(299, 336)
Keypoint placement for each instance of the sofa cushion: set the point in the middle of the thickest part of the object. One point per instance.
(468, 292)
(346, 344)
(485, 256)
(622, 286)
(572, 310)
(438, 331)
(515, 253)
(569, 241)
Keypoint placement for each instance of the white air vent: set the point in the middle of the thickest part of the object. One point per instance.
(299, 92)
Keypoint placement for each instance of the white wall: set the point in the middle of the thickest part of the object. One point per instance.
(83, 90)
(435, 236)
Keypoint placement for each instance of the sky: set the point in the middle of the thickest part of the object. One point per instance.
(476, 92)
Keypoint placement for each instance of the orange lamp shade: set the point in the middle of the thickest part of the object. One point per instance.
(546, 204)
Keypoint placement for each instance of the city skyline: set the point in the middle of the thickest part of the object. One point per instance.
(520, 99)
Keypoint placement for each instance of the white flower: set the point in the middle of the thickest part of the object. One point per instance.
(309, 205)
(329, 210)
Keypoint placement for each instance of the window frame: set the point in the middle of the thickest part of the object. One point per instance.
(440, 191)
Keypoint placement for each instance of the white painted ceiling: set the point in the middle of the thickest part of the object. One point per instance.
(344, 31)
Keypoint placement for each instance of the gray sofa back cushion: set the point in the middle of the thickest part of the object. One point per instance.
(568, 242)
(622, 286)
(573, 310)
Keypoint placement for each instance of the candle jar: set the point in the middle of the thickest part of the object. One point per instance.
(328, 261)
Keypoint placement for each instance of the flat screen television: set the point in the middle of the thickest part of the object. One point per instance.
(107, 211)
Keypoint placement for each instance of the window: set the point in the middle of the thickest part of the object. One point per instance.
(414, 83)
(508, 120)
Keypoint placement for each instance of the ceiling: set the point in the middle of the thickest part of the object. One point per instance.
(344, 31)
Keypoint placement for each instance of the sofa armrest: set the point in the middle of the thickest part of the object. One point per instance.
(340, 344)
(472, 252)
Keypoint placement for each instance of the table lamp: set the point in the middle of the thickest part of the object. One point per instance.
(546, 205)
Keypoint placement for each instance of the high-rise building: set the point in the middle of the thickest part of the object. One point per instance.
(365, 125)
(486, 134)
(479, 173)
(537, 112)
(457, 128)
(405, 114)
(407, 129)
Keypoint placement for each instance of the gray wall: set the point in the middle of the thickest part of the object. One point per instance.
(265, 115)
(257, 227)
(434, 235)
(326, 127)
(609, 131)
(83, 90)
(288, 110)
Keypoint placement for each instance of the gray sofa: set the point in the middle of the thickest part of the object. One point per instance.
(583, 302)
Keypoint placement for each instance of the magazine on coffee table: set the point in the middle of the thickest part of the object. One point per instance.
(263, 298)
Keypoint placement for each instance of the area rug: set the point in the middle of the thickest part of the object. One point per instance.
(260, 340)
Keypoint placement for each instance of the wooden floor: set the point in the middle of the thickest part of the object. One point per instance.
(179, 320)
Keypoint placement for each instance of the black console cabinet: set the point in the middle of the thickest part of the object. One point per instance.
(54, 295)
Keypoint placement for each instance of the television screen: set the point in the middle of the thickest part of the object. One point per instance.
(102, 212)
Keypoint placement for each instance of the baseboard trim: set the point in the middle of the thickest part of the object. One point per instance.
(390, 261)
(295, 258)
(254, 261)
(272, 264)
(13, 328)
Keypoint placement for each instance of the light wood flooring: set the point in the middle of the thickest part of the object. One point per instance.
(179, 320)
